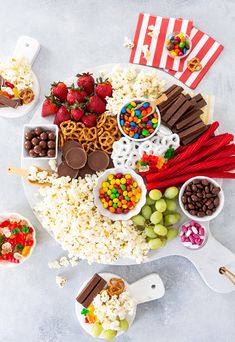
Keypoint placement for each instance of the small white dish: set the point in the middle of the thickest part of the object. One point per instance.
(29, 127)
(205, 237)
(142, 139)
(188, 51)
(17, 216)
(143, 290)
(137, 208)
(205, 218)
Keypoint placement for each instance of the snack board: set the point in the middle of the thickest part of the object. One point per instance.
(25, 52)
(207, 260)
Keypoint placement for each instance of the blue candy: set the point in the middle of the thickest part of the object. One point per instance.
(149, 122)
(146, 104)
(136, 136)
(184, 51)
(132, 124)
(137, 112)
(124, 110)
(122, 122)
(172, 38)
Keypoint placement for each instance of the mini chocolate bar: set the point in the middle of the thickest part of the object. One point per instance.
(13, 103)
(200, 101)
(180, 112)
(195, 136)
(92, 289)
(171, 93)
(173, 109)
(191, 130)
(2, 81)
(186, 120)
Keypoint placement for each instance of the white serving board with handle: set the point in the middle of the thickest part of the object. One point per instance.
(143, 290)
(207, 260)
(26, 48)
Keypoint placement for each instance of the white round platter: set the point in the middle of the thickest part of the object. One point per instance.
(207, 260)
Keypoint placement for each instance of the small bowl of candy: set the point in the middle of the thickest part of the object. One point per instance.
(139, 119)
(40, 142)
(178, 45)
(119, 194)
(17, 239)
(193, 235)
(201, 198)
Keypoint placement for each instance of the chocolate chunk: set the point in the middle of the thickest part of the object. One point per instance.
(13, 103)
(76, 157)
(98, 160)
(69, 144)
(64, 170)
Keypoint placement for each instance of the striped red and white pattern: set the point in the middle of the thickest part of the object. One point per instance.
(159, 56)
(207, 50)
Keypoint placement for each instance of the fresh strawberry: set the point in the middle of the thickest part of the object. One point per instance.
(62, 115)
(96, 105)
(77, 112)
(76, 95)
(86, 81)
(103, 88)
(89, 120)
(50, 106)
(59, 90)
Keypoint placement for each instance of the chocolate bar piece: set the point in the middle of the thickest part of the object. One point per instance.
(93, 287)
(2, 81)
(200, 101)
(173, 109)
(187, 119)
(172, 93)
(195, 136)
(13, 103)
(191, 130)
(180, 112)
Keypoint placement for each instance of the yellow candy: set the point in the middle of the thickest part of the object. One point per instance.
(138, 121)
(173, 53)
(168, 41)
(133, 104)
(105, 205)
(26, 250)
(132, 113)
(127, 176)
(105, 184)
(125, 193)
(115, 200)
(105, 189)
(110, 186)
(110, 177)
(138, 196)
(15, 92)
(113, 181)
(109, 192)
(102, 200)
(124, 206)
(135, 184)
(123, 181)
(117, 181)
(154, 120)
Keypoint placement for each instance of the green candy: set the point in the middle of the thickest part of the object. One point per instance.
(182, 45)
(114, 191)
(112, 196)
(154, 125)
(145, 132)
(25, 229)
(129, 106)
(127, 198)
(123, 187)
(170, 153)
(115, 205)
(15, 231)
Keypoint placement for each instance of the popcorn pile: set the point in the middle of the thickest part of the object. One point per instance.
(110, 310)
(67, 210)
(18, 72)
(128, 83)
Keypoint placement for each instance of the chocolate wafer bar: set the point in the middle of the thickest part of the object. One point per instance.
(191, 131)
(171, 93)
(194, 136)
(13, 103)
(99, 287)
(180, 112)
(187, 119)
(200, 101)
(2, 81)
(173, 109)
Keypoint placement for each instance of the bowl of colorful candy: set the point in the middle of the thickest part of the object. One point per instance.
(119, 193)
(193, 235)
(178, 45)
(139, 119)
(17, 239)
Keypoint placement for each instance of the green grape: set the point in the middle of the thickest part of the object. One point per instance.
(171, 192)
(156, 217)
(155, 194)
(159, 229)
(172, 219)
(160, 205)
(164, 241)
(171, 205)
(172, 233)
(155, 243)
(139, 220)
(149, 201)
(146, 211)
(109, 334)
(96, 329)
(124, 325)
(150, 233)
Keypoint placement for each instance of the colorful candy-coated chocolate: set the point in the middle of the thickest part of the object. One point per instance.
(119, 193)
(178, 45)
(137, 123)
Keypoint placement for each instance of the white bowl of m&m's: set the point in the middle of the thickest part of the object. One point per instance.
(139, 119)
(119, 194)
(178, 45)
(17, 239)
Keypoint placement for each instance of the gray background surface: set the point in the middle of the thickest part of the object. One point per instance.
(76, 35)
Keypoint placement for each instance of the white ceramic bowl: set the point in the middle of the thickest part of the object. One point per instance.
(133, 212)
(188, 51)
(205, 218)
(120, 127)
(205, 236)
(6, 216)
(28, 127)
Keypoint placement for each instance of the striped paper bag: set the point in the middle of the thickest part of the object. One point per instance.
(153, 31)
(207, 50)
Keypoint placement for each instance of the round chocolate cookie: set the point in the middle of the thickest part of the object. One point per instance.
(69, 144)
(76, 158)
(98, 160)
(64, 170)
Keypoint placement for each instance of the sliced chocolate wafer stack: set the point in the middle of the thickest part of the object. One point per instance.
(91, 290)
(182, 114)
(6, 101)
